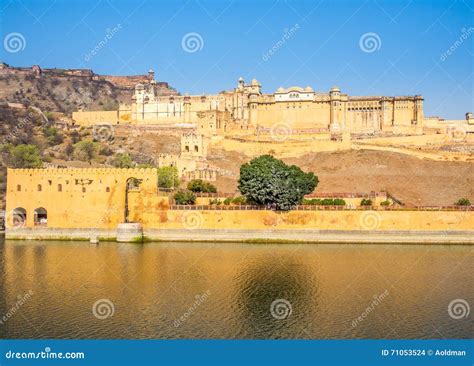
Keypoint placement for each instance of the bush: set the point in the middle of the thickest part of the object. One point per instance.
(366, 202)
(198, 185)
(239, 200)
(339, 202)
(215, 202)
(168, 177)
(269, 181)
(463, 202)
(22, 156)
(228, 201)
(85, 150)
(53, 136)
(184, 197)
(312, 201)
(385, 203)
(122, 160)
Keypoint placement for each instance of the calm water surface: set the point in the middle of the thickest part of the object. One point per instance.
(164, 290)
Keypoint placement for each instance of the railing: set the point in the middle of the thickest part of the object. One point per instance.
(319, 208)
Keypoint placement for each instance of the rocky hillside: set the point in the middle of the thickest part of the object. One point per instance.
(65, 90)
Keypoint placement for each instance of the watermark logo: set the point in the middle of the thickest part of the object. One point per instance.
(370, 220)
(287, 34)
(199, 299)
(192, 220)
(377, 299)
(281, 309)
(370, 42)
(21, 299)
(459, 308)
(192, 42)
(14, 42)
(465, 34)
(103, 309)
(15, 219)
(109, 34)
(280, 132)
(457, 134)
(103, 132)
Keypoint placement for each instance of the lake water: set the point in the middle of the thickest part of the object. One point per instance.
(191, 290)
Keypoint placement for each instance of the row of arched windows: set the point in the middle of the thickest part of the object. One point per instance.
(39, 188)
(40, 217)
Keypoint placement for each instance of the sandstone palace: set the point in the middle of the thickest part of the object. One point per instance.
(244, 107)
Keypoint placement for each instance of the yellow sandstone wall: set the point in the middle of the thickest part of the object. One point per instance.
(74, 198)
(95, 117)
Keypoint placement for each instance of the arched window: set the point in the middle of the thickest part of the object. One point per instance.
(18, 218)
(41, 216)
(39, 188)
(107, 189)
(60, 187)
(83, 189)
(196, 148)
(186, 148)
(18, 187)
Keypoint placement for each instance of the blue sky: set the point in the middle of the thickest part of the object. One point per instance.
(404, 52)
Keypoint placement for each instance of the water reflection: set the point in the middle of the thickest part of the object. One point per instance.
(154, 287)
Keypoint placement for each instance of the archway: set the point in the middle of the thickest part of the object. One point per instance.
(41, 216)
(18, 217)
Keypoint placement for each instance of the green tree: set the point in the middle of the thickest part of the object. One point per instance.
(168, 177)
(122, 160)
(269, 181)
(366, 202)
(185, 197)
(198, 185)
(85, 150)
(22, 156)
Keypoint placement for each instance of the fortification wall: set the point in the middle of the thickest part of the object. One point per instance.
(74, 198)
(89, 118)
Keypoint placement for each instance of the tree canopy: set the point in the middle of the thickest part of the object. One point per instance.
(269, 181)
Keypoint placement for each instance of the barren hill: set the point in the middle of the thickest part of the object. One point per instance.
(66, 90)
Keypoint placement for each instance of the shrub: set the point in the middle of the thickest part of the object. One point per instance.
(385, 203)
(239, 200)
(85, 150)
(366, 202)
(122, 160)
(228, 201)
(185, 197)
(339, 202)
(215, 202)
(198, 185)
(22, 156)
(463, 202)
(311, 201)
(53, 136)
(168, 177)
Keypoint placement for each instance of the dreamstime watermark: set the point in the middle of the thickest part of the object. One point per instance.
(192, 42)
(377, 299)
(14, 42)
(199, 299)
(465, 34)
(192, 220)
(47, 354)
(370, 42)
(15, 219)
(281, 309)
(457, 133)
(280, 132)
(459, 308)
(103, 132)
(26, 122)
(370, 220)
(109, 34)
(287, 34)
(103, 309)
(21, 299)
